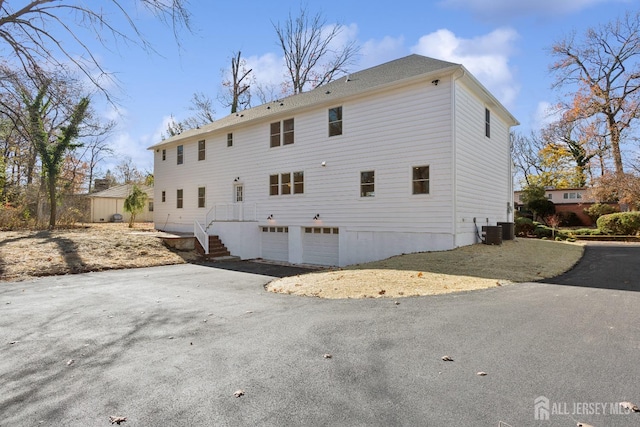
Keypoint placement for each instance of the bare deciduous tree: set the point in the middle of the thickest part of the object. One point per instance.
(237, 84)
(202, 106)
(604, 71)
(309, 52)
(33, 31)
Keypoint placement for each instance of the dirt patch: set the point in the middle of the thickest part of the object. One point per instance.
(95, 247)
(429, 273)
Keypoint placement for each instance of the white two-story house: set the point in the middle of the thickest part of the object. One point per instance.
(408, 156)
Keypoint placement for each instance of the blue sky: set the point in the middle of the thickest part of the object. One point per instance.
(504, 43)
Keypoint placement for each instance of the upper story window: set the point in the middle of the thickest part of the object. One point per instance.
(335, 121)
(273, 185)
(282, 133)
(286, 183)
(164, 154)
(421, 180)
(150, 206)
(487, 123)
(229, 140)
(179, 199)
(164, 196)
(367, 184)
(180, 154)
(201, 150)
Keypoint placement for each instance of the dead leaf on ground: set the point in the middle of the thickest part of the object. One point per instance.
(239, 393)
(70, 362)
(327, 356)
(447, 358)
(481, 373)
(584, 425)
(630, 406)
(117, 420)
(382, 292)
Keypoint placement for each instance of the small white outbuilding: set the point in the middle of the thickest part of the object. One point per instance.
(105, 204)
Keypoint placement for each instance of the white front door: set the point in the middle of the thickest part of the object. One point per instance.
(238, 198)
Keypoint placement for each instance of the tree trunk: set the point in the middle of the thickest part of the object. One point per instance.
(614, 133)
(52, 201)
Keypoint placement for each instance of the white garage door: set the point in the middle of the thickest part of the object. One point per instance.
(320, 246)
(275, 243)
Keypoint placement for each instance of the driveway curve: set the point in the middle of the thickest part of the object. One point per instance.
(171, 345)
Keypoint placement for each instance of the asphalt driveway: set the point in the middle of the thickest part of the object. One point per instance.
(169, 346)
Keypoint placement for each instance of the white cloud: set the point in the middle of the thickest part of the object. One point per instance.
(545, 114)
(375, 52)
(487, 57)
(500, 9)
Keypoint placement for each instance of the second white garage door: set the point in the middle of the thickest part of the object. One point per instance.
(320, 246)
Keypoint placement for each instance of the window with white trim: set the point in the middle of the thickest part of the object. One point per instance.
(367, 184)
(335, 121)
(180, 154)
(286, 183)
(282, 133)
(201, 150)
(201, 197)
(420, 181)
(179, 199)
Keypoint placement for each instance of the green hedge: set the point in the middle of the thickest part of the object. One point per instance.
(621, 223)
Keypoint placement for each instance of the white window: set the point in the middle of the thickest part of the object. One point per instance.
(335, 121)
(180, 154)
(367, 184)
(282, 133)
(201, 150)
(201, 197)
(421, 180)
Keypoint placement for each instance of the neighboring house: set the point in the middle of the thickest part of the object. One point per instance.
(409, 156)
(106, 203)
(574, 200)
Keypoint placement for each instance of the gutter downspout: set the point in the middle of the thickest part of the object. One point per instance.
(454, 169)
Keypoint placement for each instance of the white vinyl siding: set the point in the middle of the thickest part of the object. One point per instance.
(389, 132)
(482, 169)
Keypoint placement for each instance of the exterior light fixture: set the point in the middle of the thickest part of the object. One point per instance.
(270, 217)
(317, 217)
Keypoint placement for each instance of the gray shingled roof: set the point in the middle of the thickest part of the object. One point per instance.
(361, 81)
(122, 191)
